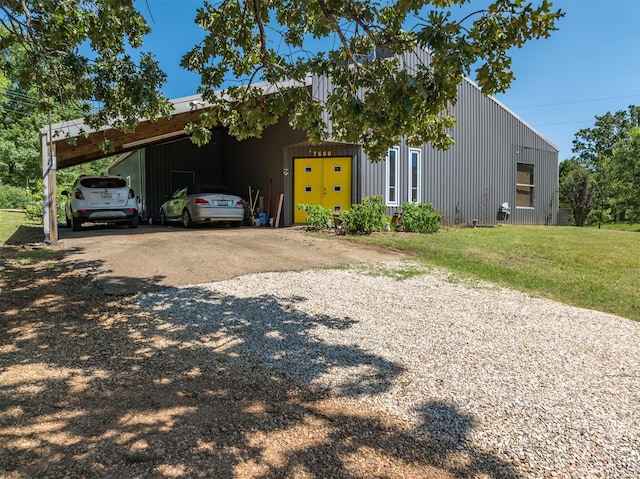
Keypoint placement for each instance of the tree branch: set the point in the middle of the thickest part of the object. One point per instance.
(266, 59)
(345, 44)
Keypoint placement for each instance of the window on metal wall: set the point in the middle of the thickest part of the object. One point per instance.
(524, 186)
(415, 186)
(393, 172)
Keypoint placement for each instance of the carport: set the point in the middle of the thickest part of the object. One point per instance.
(72, 143)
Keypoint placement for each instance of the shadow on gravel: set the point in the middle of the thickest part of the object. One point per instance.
(279, 337)
(93, 387)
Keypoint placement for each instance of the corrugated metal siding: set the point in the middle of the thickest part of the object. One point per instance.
(478, 173)
(469, 181)
(257, 161)
(131, 166)
(180, 155)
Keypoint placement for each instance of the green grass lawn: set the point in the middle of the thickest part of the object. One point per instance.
(16, 229)
(587, 267)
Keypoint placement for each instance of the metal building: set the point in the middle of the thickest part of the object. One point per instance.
(497, 159)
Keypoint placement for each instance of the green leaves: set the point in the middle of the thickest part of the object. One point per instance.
(379, 90)
(318, 217)
(83, 51)
(605, 174)
(374, 98)
(576, 190)
(366, 217)
(420, 218)
(624, 179)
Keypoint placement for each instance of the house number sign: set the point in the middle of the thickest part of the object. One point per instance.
(321, 154)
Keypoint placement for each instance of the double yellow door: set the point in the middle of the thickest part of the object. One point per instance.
(321, 181)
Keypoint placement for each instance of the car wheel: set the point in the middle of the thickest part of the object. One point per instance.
(75, 224)
(163, 218)
(134, 221)
(186, 219)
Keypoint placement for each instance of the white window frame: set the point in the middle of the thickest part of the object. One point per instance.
(388, 186)
(532, 186)
(418, 186)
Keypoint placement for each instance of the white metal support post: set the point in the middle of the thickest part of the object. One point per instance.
(49, 166)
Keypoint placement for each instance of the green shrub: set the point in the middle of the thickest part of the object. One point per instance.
(35, 208)
(365, 218)
(420, 218)
(318, 217)
(13, 197)
(598, 215)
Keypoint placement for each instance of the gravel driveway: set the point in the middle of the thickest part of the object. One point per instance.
(545, 389)
(550, 390)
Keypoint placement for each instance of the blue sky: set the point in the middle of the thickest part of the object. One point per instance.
(589, 67)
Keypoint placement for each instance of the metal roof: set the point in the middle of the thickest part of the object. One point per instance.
(77, 143)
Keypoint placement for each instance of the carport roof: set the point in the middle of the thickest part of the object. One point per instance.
(77, 143)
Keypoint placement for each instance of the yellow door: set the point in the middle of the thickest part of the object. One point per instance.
(336, 184)
(321, 181)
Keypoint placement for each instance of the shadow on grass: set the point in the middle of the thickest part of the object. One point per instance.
(95, 387)
(26, 234)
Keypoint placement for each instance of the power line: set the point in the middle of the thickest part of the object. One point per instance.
(577, 101)
(15, 112)
(21, 98)
(563, 123)
(18, 94)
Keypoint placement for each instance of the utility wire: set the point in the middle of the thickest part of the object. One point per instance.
(5, 108)
(576, 101)
(21, 97)
(18, 93)
(562, 123)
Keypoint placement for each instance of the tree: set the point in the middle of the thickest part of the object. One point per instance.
(593, 145)
(20, 120)
(375, 99)
(624, 166)
(72, 51)
(576, 190)
(594, 148)
(82, 51)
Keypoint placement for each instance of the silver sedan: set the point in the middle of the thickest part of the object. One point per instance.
(199, 204)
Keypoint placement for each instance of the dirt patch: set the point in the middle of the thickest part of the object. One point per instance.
(93, 387)
(150, 257)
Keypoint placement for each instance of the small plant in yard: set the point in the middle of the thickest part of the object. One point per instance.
(318, 217)
(35, 209)
(420, 218)
(365, 218)
(399, 271)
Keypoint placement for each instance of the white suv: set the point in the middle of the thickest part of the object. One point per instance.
(100, 199)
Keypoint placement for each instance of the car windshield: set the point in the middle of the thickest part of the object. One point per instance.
(180, 193)
(99, 182)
